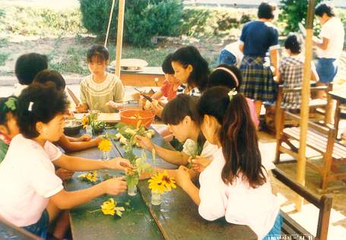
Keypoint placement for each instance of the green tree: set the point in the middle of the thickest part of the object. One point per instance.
(292, 13)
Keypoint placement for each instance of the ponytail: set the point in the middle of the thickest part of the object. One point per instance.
(237, 135)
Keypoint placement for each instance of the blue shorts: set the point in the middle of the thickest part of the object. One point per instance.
(41, 227)
(226, 57)
(275, 232)
(326, 69)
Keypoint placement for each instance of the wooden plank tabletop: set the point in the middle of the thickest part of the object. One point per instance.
(86, 223)
(339, 95)
(177, 216)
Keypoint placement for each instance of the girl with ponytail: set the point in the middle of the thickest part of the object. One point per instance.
(235, 185)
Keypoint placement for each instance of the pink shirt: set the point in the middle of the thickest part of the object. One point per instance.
(167, 90)
(253, 113)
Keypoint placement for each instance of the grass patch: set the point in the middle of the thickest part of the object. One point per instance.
(3, 58)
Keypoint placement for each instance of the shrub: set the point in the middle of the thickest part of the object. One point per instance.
(143, 19)
(292, 13)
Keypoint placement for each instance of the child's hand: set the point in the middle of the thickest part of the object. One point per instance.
(114, 186)
(144, 142)
(142, 102)
(200, 163)
(112, 104)
(81, 108)
(156, 107)
(182, 176)
(64, 174)
(118, 163)
(84, 138)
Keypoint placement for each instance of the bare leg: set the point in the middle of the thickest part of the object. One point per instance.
(62, 225)
(258, 106)
(321, 93)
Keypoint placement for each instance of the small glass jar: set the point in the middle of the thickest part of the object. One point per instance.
(156, 198)
(106, 155)
(89, 130)
(132, 191)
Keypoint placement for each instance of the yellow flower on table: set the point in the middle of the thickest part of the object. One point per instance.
(90, 176)
(85, 121)
(105, 145)
(161, 182)
(109, 207)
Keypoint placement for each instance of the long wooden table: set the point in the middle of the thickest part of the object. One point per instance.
(340, 97)
(176, 218)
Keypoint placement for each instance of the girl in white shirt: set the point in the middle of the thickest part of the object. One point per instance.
(31, 193)
(235, 185)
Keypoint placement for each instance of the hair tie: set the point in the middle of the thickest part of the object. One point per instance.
(232, 93)
(231, 73)
(31, 104)
(11, 103)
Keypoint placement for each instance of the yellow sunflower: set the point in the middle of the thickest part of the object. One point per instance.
(90, 176)
(105, 145)
(85, 121)
(109, 207)
(168, 181)
(156, 184)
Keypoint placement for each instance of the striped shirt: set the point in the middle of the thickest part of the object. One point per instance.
(96, 95)
(194, 92)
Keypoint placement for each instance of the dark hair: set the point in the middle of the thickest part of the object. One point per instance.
(39, 103)
(221, 76)
(238, 136)
(190, 56)
(177, 109)
(293, 43)
(325, 7)
(51, 76)
(7, 105)
(28, 65)
(167, 65)
(99, 51)
(266, 10)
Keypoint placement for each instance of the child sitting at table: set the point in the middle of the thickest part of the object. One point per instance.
(100, 87)
(31, 193)
(168, 89)
(191, 69)
(230, 76)
(235, 185)
(8, 123)
(291, 71)
(69, 144)
(26, 68)
(180, 115)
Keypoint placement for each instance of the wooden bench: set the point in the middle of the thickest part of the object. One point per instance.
(273, 112)
(290, 227)
(319, 138)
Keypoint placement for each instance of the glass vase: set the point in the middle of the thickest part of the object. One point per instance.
(132, 191)
(156, 198)
(106, 155)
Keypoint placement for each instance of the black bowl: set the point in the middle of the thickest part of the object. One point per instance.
(72, 130)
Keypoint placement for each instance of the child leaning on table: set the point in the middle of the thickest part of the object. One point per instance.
(235, 185)
(8, 123)
(31, 193)
(168, 89)
(100, 87)
(69, 144)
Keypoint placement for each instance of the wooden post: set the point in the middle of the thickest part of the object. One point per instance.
(119, 37)
(304, 114)
(109, 23)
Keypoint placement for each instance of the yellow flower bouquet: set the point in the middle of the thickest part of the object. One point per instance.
(160, 183)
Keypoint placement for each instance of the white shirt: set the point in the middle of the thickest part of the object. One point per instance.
(239, 203)
(333, 30)
(27, 180)
(208, 150)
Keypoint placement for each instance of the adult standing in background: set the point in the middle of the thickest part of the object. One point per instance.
(331, 43)
(256, 39)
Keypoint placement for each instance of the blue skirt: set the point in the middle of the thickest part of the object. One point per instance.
(258, 82)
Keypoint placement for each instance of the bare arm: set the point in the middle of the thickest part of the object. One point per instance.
(324, 44)
(274, 57)
(71, 146)
(67, 200)
(82, 164)
(241, 47)
(184, 181)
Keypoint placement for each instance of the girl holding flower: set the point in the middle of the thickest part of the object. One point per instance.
(235, 185)
(35, 194)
